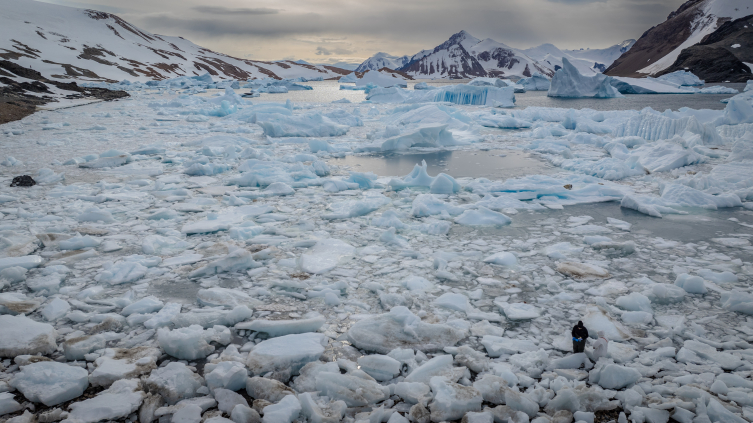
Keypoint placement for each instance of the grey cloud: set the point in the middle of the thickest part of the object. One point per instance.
(215, 10)
(395, 26)
(577, 1)
(322, 51)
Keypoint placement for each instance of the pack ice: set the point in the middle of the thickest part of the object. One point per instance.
(191, 254)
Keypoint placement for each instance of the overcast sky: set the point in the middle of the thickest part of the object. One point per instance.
(331, 31)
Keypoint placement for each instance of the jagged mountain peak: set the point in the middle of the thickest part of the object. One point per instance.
(465, 56)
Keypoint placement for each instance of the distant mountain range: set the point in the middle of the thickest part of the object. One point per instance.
(465, 56)
(66, 43)
(710, 38)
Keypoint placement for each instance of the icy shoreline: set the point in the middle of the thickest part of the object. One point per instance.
(195, 249)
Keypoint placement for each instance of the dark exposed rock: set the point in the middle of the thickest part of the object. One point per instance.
(23, 181)
(658, 41)
(16, 102)
(714, 59)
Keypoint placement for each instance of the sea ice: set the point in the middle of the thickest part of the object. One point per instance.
(120, 400)
(285, 353)
(173, 382)
(21, 335)
(325, 255)
(400, 328)
(51, 383)
(451, 400)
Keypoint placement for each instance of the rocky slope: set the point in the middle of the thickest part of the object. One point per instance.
(450, 59)
(724, 55)
(23, 89)
(66, 43)
(659, 47)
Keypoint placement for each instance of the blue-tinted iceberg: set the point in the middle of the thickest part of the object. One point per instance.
(568, 82)
(536, 82)
(306, 125)
(457, 94)
(682, 78)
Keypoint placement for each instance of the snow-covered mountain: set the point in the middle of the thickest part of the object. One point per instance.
(587, 61)
(382, 60)
(450, 59)
(465, 56)
(659, 47)
(80, 44)
(501, 60)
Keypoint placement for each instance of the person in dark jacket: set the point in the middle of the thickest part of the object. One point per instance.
(580, 333)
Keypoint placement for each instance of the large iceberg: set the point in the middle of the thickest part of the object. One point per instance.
(306, 125)
(647, 86)
(568, 82)
(682, 78)
(536, 82)
(457, 94)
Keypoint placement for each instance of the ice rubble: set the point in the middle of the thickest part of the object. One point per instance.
(51, 383)
(377, 292)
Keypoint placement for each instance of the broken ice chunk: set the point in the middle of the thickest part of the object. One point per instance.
(451, 400)
(452, 301)
(502, 259)
(27, 262)
(691, 284)
(400, 328)
(597, 319)
(17, 303)
(518, 311)
(78, 242)
(51, 383)
(122, 272)
(174, 382)
(120, 400)
(123, 363)
(56, 309)
(353, 390)
(284, 411)
(94, 214)
(581, 270)
(289, 353)
(236, 260)
(275, 328)
(612, 376)
(496, 345)
(482, 217)
(230, 375)
(192, 342)
(380, 367)
(21, 335)
(326, 255)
